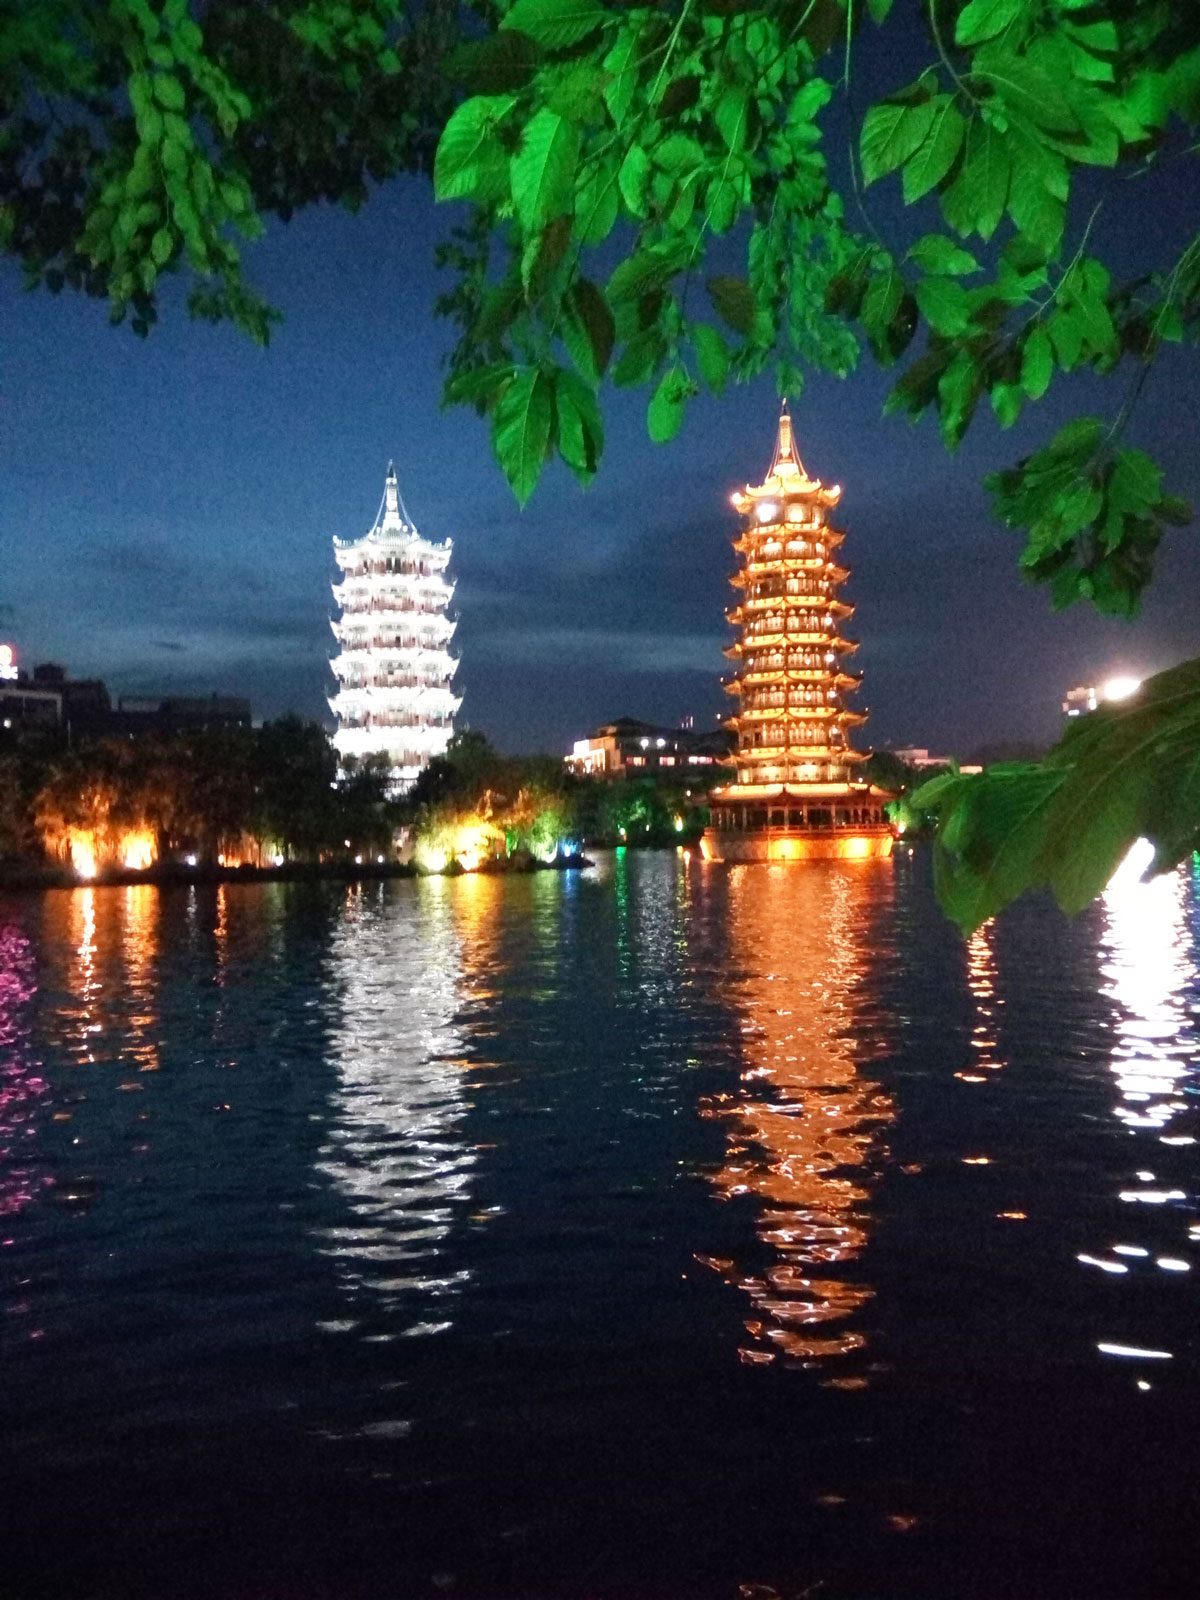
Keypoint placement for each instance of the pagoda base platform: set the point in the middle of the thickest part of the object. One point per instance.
(798, 822)
(797, 844)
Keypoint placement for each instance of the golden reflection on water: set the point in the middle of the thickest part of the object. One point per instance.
(981, 982)
(139, 951)
(805, 1129)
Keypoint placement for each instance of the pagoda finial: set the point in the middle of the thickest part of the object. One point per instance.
(786, 463)
(391, 493)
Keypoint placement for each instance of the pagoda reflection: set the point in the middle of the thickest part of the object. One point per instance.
(805, 1130)
(1149, 971)
(395, 1148)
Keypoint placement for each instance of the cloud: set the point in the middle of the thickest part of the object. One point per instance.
(626, 651)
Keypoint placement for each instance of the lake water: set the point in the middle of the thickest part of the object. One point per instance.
(659, 1231)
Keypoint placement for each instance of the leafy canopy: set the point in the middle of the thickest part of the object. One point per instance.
(146, 137)
(619, 158)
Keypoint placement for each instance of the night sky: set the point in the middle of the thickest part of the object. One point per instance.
(168, 507)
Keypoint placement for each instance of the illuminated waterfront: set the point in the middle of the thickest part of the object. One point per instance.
(646, 1232)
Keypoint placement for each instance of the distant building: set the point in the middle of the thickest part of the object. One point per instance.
(629, 748)
(1080, 701)
(393, 664)
(179, 713)
(913, 756)
(23, 707)
(81, 708)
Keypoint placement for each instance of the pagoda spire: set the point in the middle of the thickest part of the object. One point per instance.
(798, 792)
(787, 463)
(393, 513)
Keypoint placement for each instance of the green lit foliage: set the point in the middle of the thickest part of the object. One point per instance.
(202, 791)
(672, 138)
(147, 137)
(652, 204)
(1122, 772)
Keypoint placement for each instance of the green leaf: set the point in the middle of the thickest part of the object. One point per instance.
(974, 202)
(597, 203)
(1024, 88)
(944, 305)
(731, 116)
(495, 64)
(930, 163)
(633, 177)
(1066, 336)
(1037, 363)
(470, 162)
(937, 254)
(891, 132)
(168, 91)
(959, 389)
(588, 329)
(664, 414)
(808, 100)
(621, 66)
(1037, 198)
(881, 303)
(678, 153)
(734, 302)
(521, 430)
(984, 19)
(640, 358)
(580, 427)
(879, 10)
(555, 24)
(543, 169)
(989, 838)
(647, 271)
(161, 246)
(543, 252)
(1007, 399)
(712, 355)
(1133, 771)
(480, 387)
(1123, 772)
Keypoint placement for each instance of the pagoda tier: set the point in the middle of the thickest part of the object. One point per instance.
(394, 667)
(797, 794)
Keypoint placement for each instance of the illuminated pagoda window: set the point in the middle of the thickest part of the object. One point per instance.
(393, 665)
(798, 792)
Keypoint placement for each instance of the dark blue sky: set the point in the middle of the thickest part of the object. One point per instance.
(168, 508)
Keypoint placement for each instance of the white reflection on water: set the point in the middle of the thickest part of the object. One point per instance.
(1149, 966)
(1149, 969)
(394, 1147)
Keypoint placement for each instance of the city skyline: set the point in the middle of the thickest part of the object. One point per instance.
(188, 537)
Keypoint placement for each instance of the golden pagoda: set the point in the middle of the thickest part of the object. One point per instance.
(796, 797)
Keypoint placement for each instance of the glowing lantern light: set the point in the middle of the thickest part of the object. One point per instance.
(83, 855)
(137, 851)
(430, 859)
(1121, 688)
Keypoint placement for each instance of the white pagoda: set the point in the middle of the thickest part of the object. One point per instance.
(394, 664)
